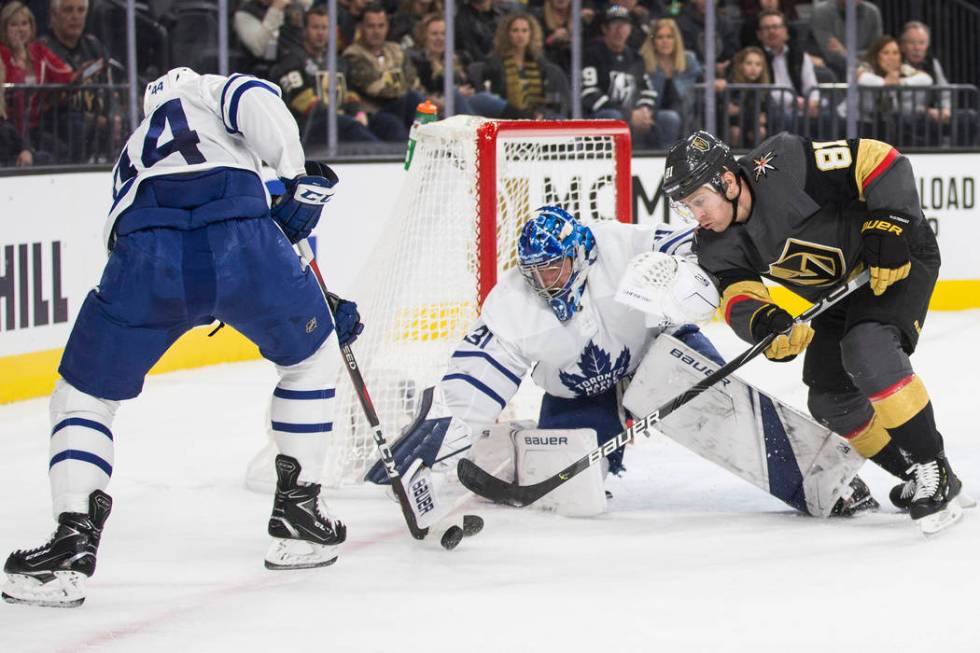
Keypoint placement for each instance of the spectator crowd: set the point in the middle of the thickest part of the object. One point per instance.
(643, 62)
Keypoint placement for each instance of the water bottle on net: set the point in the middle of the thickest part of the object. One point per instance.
(425, 112)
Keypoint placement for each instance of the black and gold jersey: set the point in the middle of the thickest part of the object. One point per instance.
(809, 200)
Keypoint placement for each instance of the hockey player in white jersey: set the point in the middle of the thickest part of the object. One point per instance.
(568, 314)
(191, 239)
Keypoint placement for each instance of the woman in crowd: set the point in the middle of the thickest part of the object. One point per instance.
(893, 117)
(405, 22)
(518, 72)
(429, 59)
(746, 109)
(555, 17)
(27, 61)
(673, 71)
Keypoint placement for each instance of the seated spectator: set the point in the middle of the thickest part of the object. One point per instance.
(555, 17)
(430, 35)
(304, 79)
(407, 18)
(883, 67)
(788, 66)
(691, 23)
(827, 22)
(746, 110)
(672, 70)
(349, 13)
(915, 52)
(383, 75)
(87, 123)
(257, 24)
(476, 25)
(615, 85)
(28, 61)
(12, 150)
(519, 73)
(749, 32)
(640, 15)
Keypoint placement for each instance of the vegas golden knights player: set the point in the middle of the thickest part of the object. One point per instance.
(807, 215)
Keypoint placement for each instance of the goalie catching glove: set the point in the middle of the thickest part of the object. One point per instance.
(792, 339)
(671, 290)
(298, 209)
(886, 252)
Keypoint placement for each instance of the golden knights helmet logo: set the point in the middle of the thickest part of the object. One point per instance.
(808, 264)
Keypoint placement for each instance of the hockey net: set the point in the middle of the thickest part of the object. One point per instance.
(471, 186)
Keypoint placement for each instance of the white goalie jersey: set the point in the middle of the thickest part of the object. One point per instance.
(600, 345)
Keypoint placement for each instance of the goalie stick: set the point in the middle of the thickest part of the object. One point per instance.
(479, 481)
(357, 380)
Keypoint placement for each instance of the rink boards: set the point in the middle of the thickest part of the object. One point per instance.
(51, 254)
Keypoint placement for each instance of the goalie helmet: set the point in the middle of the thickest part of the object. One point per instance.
(698, 160)
(554, 254)
(161, 87)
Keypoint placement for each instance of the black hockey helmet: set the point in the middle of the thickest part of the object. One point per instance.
(697, 160)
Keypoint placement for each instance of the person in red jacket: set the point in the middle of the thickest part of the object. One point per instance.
(27, 61)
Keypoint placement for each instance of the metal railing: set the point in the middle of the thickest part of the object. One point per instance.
(68, 123)
(905, 116)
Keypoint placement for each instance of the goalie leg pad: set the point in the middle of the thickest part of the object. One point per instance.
(601, 412)
(745, 431)
(543, 452)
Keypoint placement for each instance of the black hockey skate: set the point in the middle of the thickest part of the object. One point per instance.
(901, 495)
(859, 501)
(305, 534)
(934, 505)
(54, 574)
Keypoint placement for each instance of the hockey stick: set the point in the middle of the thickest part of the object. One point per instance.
(479, 481)
(357, 380)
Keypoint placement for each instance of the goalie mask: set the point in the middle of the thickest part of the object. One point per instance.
(554, 254)
(699, 160)
(161, 87)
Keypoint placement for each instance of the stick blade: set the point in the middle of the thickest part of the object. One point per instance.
(481, 482)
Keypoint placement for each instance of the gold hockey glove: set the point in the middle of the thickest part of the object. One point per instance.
(886, 252)
(792, 338)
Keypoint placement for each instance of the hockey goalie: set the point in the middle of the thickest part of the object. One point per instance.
(588, 311)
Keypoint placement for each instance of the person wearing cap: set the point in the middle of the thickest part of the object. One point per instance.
(615, 86)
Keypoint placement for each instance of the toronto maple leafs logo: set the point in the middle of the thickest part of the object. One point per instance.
(763, 165)
(598, 372)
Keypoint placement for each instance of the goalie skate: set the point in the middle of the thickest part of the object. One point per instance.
(305, 534)
(860, 500)
(54, 574)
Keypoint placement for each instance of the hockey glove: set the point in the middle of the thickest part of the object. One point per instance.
(298, 210)
(792, 338)
(346, 320)
(886, 251)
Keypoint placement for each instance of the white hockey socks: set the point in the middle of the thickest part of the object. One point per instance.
(81, 447)
(302, 409)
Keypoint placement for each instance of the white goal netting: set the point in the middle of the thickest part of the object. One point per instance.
(472, 185)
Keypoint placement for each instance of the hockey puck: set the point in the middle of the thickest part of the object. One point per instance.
(451, 538)
(472, 524)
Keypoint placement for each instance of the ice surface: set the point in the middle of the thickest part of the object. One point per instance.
(689, 558)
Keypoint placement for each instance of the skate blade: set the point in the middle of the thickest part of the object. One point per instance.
(286, 554)
(939, 521)
(65, 590)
